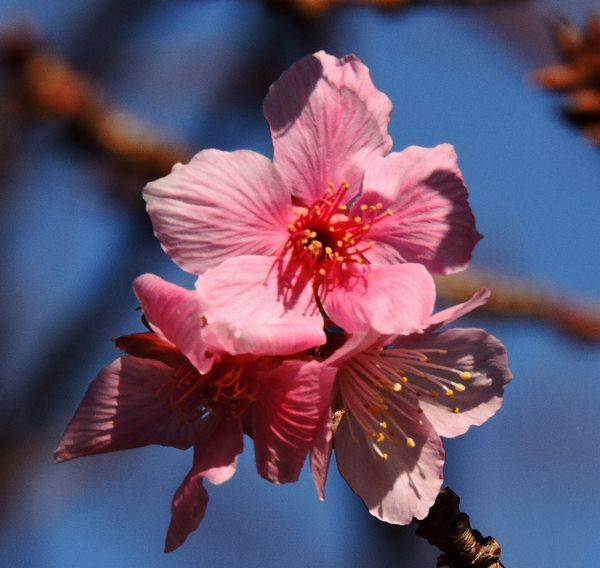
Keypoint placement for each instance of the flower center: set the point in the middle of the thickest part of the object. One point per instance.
(224, 390)
(325, 236)
(381, 389)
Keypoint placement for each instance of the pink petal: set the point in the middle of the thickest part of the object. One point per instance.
(121, 410)
(217, 450)
(188, 509)
(390, 299)
(215, 457)
(477, 352)
(452, 313)
(293, 396)
(399, 488)
(220, 205)
(174, 313)
(327, 121)
(249, 310)
(320, 453)
(432, 223)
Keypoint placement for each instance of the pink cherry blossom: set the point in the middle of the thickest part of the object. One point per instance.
(332, 209)
(171, 390)
(398, 395)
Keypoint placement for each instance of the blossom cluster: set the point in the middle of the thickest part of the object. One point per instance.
(311, 325)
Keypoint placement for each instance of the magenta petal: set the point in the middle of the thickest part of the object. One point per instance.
(399, 488)
(188, 509)
(327, 121)
(220, 205)
(174, 313)
(452, 313)
(432, 223)
(121, 410)
(320, 453)
(468, 350)
(218, 448)
(390, 299)
(293, 396)
(248, 311)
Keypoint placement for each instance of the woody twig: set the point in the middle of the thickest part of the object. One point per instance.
(450, 530)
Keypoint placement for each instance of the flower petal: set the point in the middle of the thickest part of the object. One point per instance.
(121, 410)
(327, 121)
(187, 510)
(432, 222)
(217, 450)
(174, 313)
(220, 205)
(249, 310)
(320, 453)
(444, 317)
(293, 397)
(470, 350)
(390, 299)
(400, 487)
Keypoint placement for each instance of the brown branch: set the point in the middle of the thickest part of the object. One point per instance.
(317, 8)
(44, 85)
(450, 530)
(578, 74)
(524, 299)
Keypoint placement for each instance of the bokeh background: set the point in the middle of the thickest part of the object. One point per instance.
(74, 235)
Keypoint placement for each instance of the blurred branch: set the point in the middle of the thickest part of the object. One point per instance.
(43, 85)
(524, 299)
(316, 8)
(450, 530)
(49, 87)
(578, 75)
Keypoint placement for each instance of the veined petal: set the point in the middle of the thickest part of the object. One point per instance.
(444, 317)
(188, 509)
(293, 397)
(250, 310)
(215, 456)
(174, 313)
(122, 409)
(431, 221)
(220, 205)
(479, 365)
(398, 482)
(320, 453)
(327, 121)
(390, 299)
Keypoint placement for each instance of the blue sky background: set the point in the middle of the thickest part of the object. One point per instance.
(69, 252)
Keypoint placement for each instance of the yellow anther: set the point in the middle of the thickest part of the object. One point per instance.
(449, 392)
(345, 184)
(340, 243)
(410, 442)
(357, 219)
(404, 379)
(460, 388)
(343, 208)
(397, 387)
(364, 207)
(380, 437)
(456, 410)
(385, 456)
(312, 234)
(389, 212)
(379, 206)
(420, 422)
(384, 425)
(465, 376)
(330, 184)
(322, 271)
(291, 227)
(328, 250)
(366, 227)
